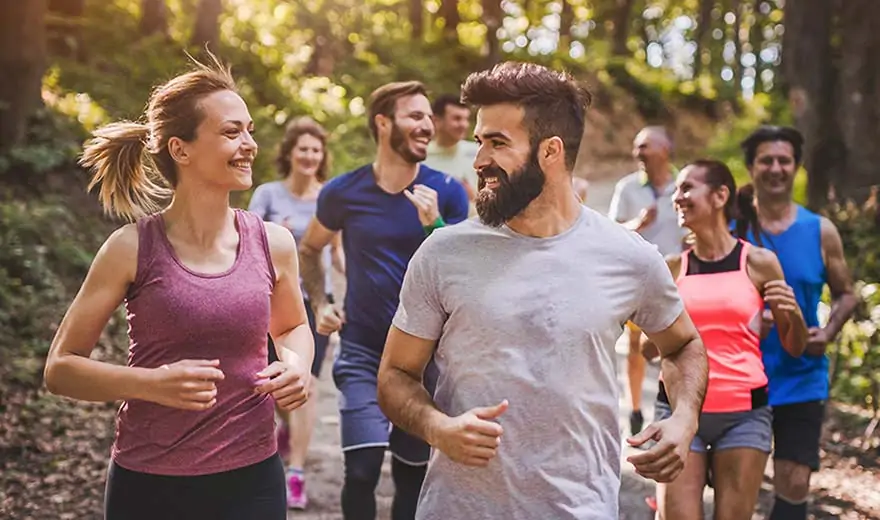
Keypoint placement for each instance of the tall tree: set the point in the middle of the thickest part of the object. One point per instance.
(832, 75)
(207, 29)
(809, 74)
(63, 23)
(622, 24)
(493, 15)
(566, 21)
(737, 9)
(704, 25)
(154, 17)
(22, 63)
(859, 86)
(417, 19)
(451, 19)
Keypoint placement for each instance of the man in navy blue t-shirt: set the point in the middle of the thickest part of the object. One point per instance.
(384, 210)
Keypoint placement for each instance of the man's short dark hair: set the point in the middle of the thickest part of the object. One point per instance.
(440, 104)
(553, 102)
(768, 134)
(383, 101)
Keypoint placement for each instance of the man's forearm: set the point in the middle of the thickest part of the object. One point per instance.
(407, 404)
(313, 276)
(842, 309)
(685, 375)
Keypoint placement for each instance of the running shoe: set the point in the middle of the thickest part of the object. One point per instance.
(296, 491)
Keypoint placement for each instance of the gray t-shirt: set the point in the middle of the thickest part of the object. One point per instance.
(634, 193)
(273, 202)
(533, 321)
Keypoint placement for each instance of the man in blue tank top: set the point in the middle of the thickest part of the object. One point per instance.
(384, 210)
(811, 253)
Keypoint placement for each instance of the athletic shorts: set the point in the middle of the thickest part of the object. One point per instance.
(362, 423)
(321, 343)
(797, 431)
(728, 430)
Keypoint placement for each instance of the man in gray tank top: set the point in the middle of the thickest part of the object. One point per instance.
(521, 310)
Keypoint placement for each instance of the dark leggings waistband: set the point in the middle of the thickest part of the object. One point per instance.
(759, 396)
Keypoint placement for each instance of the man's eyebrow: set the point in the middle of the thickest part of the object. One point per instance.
(492, 135)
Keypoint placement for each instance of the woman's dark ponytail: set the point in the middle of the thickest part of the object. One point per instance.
(747, 214)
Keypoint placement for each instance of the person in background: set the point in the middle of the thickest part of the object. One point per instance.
(384, 209)
(450, 152)
(811, 253)
(725, 283)
(303, 162)
(642, 202)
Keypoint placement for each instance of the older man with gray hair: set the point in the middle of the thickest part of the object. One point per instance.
(642, 202)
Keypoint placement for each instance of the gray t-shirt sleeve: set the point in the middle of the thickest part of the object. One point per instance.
(659, 303)
(260, 202)
(420, 312)
(618, 211)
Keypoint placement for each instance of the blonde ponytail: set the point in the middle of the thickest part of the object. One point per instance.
(130, 184)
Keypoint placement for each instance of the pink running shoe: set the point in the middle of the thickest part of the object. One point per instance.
(296, 491)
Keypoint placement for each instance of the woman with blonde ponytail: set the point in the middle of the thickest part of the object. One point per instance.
(202, 284)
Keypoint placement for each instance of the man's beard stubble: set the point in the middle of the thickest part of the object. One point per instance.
(399, 145)
(514, 192)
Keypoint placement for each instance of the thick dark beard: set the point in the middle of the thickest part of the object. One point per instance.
(398, 144)
(514, 193)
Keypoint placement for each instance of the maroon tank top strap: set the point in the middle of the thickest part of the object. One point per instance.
(683, 269)
(150, 247)
(255, 243)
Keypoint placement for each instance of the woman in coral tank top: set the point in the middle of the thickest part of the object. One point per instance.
(203, 284)
(725, 284)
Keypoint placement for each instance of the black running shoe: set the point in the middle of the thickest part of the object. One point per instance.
(636, 421)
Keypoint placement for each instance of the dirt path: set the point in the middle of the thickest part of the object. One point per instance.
(324, 464)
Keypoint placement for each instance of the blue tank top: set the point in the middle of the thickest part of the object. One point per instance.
(799, 249)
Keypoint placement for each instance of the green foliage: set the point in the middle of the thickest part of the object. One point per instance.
(47, 249)
(856, 365)
(52, 142)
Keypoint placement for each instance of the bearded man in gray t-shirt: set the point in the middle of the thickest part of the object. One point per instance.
(520, 310)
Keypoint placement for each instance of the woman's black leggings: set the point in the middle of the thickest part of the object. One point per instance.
(362, 470)
(255, 492)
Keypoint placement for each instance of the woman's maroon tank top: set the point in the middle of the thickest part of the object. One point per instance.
(175, 314)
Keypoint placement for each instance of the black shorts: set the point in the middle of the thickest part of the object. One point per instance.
(797, 429)
(255, 492)
(321, 343)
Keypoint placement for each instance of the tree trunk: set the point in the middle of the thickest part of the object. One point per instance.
(417, 20)
(622, 25)
(63, 26)
(22, 63)
(738, 71)
(704, 23)
(809, 73)
(756, 40)
(858, 109)
(154, 17)
(492, 17)
(451, 19)
(207, 29)
(566, 20)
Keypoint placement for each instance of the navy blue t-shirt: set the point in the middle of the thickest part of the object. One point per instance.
(380, 233)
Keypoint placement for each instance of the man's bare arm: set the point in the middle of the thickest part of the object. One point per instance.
(402, 395)
(684, 364)
(317, 237)
(843, 298)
